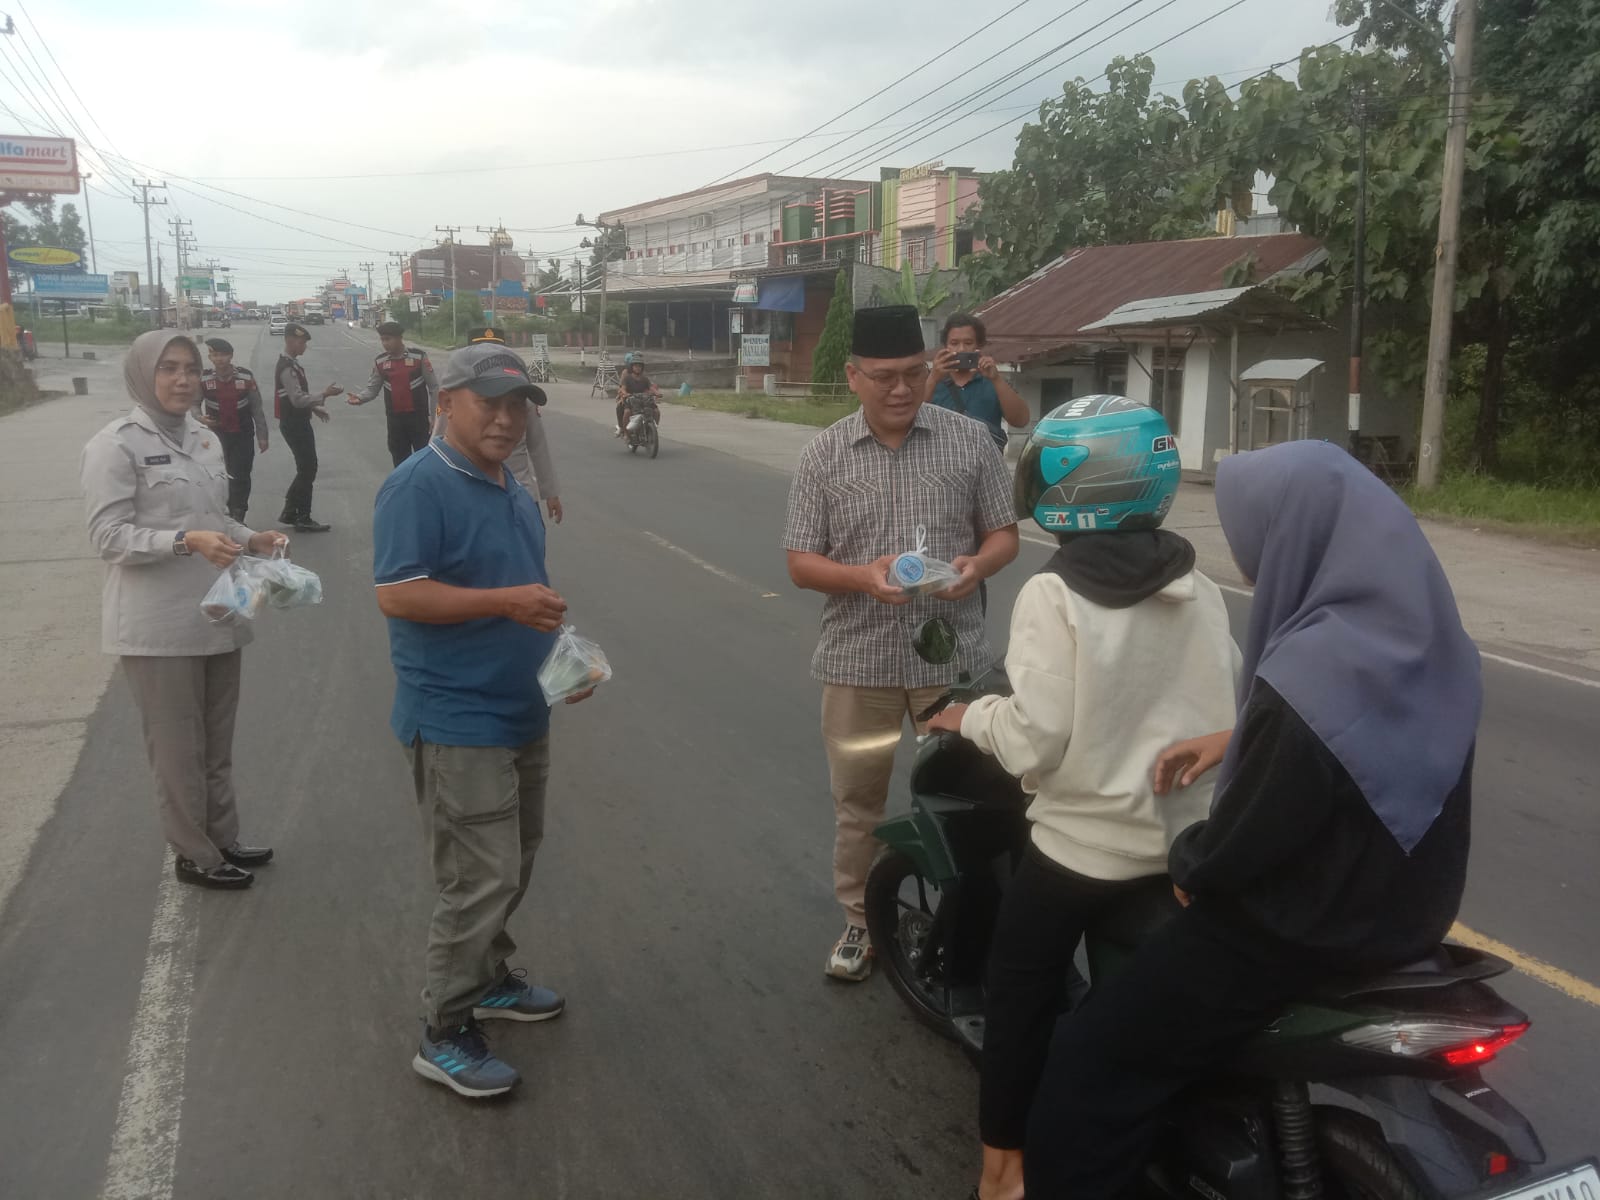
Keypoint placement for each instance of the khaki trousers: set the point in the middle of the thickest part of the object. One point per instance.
(482, 810)
(861, 730)
(188, 705)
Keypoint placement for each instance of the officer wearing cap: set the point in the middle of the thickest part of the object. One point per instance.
(294, 406)
(459, 563)
(230, 404)
(530, 462)
(405, 377)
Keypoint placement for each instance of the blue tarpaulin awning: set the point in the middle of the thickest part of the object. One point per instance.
(783, 294)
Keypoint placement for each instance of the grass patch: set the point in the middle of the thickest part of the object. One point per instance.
(1566, 514)
(758, 405)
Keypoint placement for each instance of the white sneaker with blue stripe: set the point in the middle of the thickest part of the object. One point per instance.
(515, 999)
(459, 1058)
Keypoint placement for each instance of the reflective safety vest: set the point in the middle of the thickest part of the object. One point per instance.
(281, 408)
(227, 401)
(405, 385)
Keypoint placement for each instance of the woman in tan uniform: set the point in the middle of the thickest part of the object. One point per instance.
(156, 491)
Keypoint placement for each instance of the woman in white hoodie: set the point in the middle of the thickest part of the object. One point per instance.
(1119, 648)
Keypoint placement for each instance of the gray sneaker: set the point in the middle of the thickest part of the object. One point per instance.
(459, 1058)
(515, 999)
(851, 959)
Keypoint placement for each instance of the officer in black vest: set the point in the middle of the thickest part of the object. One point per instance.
(295, 405)
(405, 377)
(230, 404)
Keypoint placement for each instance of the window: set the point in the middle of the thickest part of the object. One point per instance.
(1052, 394)
(760, 237)
(1166, 383)
(916, 253)
(1114, 374)
(700, 221)
(963, 245)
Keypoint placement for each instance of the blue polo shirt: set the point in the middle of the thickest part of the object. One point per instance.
(978, 400)
(474, 683)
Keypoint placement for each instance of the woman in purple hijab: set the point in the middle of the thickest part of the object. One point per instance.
(1337, 841)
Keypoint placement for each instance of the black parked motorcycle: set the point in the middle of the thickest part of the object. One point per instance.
(1369, 1088)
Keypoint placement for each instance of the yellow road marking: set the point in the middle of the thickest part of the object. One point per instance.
(1546, 974)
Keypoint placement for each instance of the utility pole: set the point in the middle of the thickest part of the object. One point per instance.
(450, 232)
(146, 203)
(494, 265)
(88, 214)
(1444, 269)
(1358, 293)
(179, 241)
(368, 267)
(400, 259)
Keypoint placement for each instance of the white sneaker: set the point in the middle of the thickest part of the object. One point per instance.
(618, 433)
(851, 959)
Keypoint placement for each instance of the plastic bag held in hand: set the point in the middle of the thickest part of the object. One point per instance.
(918, 573)
(574, 665)
(288, 584)
(237, 595)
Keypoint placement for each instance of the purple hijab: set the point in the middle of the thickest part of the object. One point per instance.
(1354, 625)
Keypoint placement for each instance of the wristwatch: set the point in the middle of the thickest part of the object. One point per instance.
(180, 546)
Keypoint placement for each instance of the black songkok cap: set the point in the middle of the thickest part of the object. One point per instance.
(892, 332)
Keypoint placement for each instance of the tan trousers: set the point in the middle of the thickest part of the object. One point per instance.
(188, 706)
(482, 810)
(861, 729)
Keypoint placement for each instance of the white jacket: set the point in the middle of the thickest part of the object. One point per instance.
(1099, 692)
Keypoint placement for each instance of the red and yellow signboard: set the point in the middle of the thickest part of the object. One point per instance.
(35, 164)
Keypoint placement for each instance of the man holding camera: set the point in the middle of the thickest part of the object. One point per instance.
(967, 381)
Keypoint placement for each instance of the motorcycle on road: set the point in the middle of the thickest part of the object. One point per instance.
(1370, 1088)
(642, 428)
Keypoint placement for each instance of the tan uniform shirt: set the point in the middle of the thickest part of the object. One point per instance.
(140, 489)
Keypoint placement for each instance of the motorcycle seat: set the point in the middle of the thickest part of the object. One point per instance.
(1447, 966)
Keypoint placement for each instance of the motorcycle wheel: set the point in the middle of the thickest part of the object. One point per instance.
(652, 440)
(1357, 1163)
(898, 926)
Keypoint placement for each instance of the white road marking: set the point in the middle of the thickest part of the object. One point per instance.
(1503, 659)
(144, 1146)
(726, 576)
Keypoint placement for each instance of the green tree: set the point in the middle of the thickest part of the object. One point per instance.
(924, 298)
(1121, 165)
(833, 348)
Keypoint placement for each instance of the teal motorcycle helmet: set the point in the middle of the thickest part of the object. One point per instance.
(1098, 464)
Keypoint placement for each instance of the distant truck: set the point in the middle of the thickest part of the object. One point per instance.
(312, 313)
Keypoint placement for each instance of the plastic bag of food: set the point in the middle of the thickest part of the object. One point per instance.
(288, 584)
(237, 595)
(574, 665)
(918, 572)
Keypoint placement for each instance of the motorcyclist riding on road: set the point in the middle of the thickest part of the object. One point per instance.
(633, 393)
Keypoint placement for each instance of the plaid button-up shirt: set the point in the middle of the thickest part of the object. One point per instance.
(855, 500)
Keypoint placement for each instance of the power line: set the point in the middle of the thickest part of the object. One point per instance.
(957, 44)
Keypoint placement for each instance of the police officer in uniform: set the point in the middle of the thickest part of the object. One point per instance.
(405, 377)
(294, 406)
(230, 405)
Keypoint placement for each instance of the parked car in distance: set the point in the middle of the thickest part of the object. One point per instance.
(277, 325)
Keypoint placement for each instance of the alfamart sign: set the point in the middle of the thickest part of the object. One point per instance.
(32, 164)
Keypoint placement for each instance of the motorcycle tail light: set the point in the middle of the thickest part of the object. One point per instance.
(1481, 1050)
(1498, 1164)
(1417, 1039)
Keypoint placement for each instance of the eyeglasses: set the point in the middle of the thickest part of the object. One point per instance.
(913, 377)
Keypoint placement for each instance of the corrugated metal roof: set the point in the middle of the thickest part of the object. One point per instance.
(1288, 369)
(1048, 310)
(1163, 310)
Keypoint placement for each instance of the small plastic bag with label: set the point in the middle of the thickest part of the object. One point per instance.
(237, 595)
(288, 584)
(918, 573)
(574, 665)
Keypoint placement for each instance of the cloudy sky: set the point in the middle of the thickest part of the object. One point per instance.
(304, 137)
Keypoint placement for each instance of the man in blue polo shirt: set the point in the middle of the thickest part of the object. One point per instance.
(966, 380)
(459, 564)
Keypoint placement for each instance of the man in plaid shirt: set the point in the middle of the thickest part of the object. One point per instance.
(864, 490)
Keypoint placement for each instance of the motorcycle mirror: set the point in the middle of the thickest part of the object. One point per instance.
(936, 642)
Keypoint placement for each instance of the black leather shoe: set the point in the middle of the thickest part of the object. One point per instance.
(288, 517)
(247, 856)
(224, 876)
(307, 525)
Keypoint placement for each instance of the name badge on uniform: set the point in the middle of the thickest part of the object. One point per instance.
(157, 460)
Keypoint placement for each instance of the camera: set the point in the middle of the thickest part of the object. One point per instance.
(967, 360)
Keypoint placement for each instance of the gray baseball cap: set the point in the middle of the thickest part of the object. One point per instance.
(490, 370)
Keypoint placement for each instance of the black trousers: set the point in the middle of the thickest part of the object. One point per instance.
(302, 442)
(1042, 919)
(239, 455)
(1186, 1000)
(408, 433)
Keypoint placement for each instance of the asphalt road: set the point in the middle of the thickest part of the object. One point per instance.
(681, 901)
